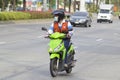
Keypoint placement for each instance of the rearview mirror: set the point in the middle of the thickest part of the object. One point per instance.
(44, 29)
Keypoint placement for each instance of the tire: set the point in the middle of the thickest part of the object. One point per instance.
(110, 21)
(86, 25)
(90, 25)
(97, 21)
(69, 69)
(53, 67)
(74, 25)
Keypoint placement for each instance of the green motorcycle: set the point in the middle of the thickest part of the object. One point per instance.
(57, 53)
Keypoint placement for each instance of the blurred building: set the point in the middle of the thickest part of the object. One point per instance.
(34, 5)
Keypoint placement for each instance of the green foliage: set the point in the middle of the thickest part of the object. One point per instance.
(92, 8)
(116, 13)
(40, 15)
(14, 16)
(51, 4)
(24, 15)
(5, 2)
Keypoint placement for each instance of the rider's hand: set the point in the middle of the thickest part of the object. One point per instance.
(68, 36)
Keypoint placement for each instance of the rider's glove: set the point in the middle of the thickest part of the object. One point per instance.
(68, 35)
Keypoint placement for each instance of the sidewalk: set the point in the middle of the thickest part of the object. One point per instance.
(36, 21)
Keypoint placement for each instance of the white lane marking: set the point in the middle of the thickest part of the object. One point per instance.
(99, 39)
(117, 34)
(3, 42)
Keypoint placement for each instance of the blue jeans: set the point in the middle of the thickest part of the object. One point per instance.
(66, 44)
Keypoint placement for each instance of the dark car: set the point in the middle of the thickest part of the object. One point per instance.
(81, 18)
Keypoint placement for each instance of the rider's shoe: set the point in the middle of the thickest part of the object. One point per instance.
(73, 63)
(65, 65)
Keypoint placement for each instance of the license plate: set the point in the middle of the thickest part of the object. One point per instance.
(76, 22)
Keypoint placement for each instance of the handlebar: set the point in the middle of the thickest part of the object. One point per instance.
(44, 29)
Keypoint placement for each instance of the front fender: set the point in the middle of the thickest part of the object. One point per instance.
(54, 55)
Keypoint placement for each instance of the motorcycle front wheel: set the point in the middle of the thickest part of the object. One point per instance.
(53, 67)
(69, 70)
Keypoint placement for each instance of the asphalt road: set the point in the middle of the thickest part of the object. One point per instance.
(24, 56)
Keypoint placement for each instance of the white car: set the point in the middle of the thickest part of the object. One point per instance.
(105, 13)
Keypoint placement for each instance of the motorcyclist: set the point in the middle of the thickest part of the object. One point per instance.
(63, 26)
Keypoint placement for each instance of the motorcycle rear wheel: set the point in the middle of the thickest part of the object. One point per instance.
(53, 67)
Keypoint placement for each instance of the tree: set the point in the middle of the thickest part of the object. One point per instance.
(51, 4)
(14, 5)
(65, 5)
(24, 4)
(69, 5)
(3, 4)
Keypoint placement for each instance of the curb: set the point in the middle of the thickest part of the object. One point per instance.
(31, 21)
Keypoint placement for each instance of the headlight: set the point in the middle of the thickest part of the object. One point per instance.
(99, 16)
(109, 17)
(57, 48)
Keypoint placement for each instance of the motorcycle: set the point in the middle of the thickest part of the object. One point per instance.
(57, 53)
